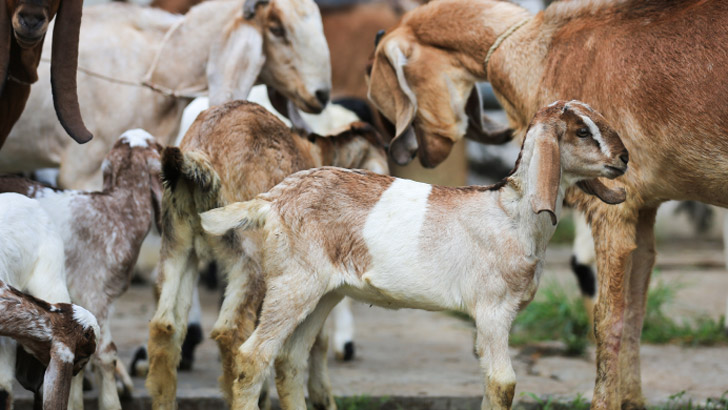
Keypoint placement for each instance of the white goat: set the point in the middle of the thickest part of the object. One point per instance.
(102, 233)
(325, 233)
(232, 152)
(32, 260)
(220, 48)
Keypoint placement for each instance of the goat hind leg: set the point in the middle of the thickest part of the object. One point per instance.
(281, 313)
(7, 372)
(308, 341)
(169, 325)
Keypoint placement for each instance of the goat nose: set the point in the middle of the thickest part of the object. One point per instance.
(624, 157)
(322, 96)
(31, 21)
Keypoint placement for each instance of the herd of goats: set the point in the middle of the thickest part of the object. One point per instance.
(299, 214)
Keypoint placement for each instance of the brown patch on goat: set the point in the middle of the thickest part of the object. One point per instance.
(302, 202)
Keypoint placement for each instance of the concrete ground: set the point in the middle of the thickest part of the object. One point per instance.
(425, 359)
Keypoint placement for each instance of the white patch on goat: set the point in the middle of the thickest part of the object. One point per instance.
(392, 233)
(137, 138)
(63, 352)
(596, 134)
(86, 320)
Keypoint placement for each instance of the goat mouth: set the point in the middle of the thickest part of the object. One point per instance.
(615, 172)
(25, 41)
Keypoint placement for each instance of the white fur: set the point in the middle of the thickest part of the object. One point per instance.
(596, 134)
(63, 352)
(137, 138)
(86, 320)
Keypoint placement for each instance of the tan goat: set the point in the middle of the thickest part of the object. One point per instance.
(326, 233)
(657, 70)
(231, 153)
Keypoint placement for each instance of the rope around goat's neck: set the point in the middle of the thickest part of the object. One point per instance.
(189, 94)
(502, 38)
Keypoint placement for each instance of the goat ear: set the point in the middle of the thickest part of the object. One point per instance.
(57, 378)
(289, 110)
(544, 174)
(4, 44)
(599, 190)
(64, 61)
(234, 64)
(404, 145)
(480, 127)
(249, 7)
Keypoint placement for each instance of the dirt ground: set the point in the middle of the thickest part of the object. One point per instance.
(427, 354)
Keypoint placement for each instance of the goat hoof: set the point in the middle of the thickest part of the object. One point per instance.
(87, 385)
(6, 400)
(124, 391)
(348, 351)
(192, 339)
(139, 363)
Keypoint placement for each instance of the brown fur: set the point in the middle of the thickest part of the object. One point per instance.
(638, 64)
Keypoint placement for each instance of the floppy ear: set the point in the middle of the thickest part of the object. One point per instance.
(249, 7)
(57, 378)
(599, 190)
(403, 146)
(480, 127)
(236, 59)
(544, 173)
(286, 108)
(4, 44)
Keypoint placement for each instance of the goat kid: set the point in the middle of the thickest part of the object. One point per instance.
(59, 335)
(233, 152)
(326, 233)
(102, 233)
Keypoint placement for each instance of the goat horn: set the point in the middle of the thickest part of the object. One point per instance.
(64, 61)
(4, 45)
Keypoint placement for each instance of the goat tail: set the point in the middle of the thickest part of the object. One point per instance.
(191, 166)
(245, 215)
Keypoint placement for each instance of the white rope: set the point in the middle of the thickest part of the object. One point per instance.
(502, 38)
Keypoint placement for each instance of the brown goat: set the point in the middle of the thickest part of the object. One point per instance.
(657, 71)
(23, 24)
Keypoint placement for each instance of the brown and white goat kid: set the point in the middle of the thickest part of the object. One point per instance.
(233, 152)
(61, 336)
(31, 259)
(326, 233)
(102, 233)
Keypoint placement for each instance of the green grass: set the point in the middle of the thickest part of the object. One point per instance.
(676, 401)
(362, 402)
(558, 314)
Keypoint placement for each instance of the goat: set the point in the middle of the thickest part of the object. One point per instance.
(222, 47)
(23, 26)
(31, 260)
(61, 336)
(232, 152)
(325, 233)
(636, 62)
(102, 233)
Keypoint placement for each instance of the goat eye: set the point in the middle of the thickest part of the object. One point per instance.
(583, 133)
(277, 31)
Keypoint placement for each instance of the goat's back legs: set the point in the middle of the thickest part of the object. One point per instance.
(177, 278)
(290, 297)
(643, 259)
(238, 314)
(105, 360)
(493, 325)
(290, 364)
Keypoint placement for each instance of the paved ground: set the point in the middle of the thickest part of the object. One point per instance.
(424, 355)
